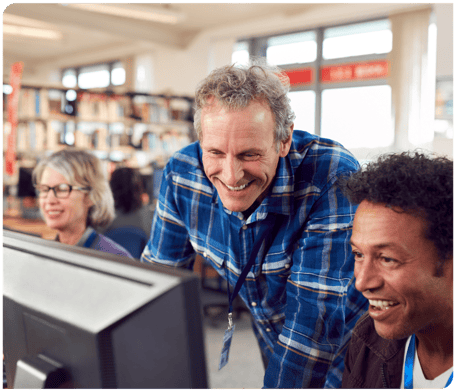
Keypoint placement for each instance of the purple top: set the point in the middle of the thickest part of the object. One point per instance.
(92, 240)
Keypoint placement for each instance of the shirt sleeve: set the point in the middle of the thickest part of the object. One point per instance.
(319, 312)
(169, 243)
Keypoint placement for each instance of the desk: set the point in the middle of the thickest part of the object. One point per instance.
(32, 226)
(37, 226)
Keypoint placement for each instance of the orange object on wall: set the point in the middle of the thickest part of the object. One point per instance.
(13, 104)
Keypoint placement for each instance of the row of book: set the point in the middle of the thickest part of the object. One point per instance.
(40, 136)
(101, 107)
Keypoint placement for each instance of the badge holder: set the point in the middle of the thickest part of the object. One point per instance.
(227, 342)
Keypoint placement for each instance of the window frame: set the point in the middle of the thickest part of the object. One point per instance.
(258, 47)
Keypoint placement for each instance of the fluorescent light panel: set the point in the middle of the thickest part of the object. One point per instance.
(157, 15)
(31, 32)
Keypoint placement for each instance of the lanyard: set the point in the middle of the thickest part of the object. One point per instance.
(264, 231)
(90, 240)
(408, 370)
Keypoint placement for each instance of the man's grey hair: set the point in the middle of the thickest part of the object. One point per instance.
(236, 86)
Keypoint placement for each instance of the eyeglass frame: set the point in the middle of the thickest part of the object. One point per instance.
(53, 188)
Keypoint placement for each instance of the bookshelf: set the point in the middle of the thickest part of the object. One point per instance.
(138, 129)
(116, 126)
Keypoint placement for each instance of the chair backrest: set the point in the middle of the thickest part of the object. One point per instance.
(131, 238)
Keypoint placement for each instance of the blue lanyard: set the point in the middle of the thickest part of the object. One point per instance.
(90, 240)
(409, 361)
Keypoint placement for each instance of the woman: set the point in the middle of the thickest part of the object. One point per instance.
(75, 198)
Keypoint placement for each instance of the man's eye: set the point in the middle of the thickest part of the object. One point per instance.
(250, 156)
(357, 255)
(388, 259)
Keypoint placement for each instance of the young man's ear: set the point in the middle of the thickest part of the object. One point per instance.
(285, 145)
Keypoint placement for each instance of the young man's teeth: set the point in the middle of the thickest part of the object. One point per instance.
(236, 188)
(381, 304)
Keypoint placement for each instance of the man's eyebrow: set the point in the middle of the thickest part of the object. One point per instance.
(379, 246)
(247, 151)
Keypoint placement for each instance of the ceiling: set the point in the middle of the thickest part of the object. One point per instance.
(84, 32)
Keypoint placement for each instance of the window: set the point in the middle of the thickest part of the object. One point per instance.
(303, 104)
(118, 74)
(359, 39)
(292, 49)
(358, 117)
(92, 77)
(69, 78)
(7, 89)
(338, 77)
(240, 53)
(95, 76)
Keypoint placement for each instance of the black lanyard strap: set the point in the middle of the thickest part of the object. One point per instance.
(256, 247)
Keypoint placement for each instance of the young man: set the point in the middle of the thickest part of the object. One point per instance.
(254, 196)
(403, 246)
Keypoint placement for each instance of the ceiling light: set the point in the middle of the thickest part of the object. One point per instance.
(132, 11)
(32, 32)
(22, 21)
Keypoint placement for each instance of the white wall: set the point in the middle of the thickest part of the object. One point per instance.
(444, 22)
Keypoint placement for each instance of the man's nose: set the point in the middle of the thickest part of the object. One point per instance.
(232, 171)
(367, 275)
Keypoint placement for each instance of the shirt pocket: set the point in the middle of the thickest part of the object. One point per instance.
(276, 264)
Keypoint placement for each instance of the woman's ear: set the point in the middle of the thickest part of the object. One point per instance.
(88, 201)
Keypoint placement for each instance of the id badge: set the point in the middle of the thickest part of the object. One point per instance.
(227, 337)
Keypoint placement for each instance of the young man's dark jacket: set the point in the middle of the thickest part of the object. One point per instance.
(371, 361)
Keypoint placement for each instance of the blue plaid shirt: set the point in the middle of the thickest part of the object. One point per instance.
(300, 293)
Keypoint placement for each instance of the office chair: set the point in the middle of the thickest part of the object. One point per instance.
(131, 238)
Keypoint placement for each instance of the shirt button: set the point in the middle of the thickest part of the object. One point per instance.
(204, 254)
(287, 266)
(268, 329)
(244, 227)
(253, 304)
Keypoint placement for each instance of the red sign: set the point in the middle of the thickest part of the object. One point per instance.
(300, 76)
(355, 71)
(13, 104)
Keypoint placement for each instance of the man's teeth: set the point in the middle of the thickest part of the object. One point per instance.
(236, 188)
(382, 304)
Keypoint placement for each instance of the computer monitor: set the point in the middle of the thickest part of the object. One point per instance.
(81, 318)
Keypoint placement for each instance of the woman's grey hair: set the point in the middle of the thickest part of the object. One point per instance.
(82, 168)
(236, 86)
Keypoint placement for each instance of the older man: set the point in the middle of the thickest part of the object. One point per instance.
(403, 245)
(259, 203)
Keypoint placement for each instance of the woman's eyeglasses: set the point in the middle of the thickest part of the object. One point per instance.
(61, 191)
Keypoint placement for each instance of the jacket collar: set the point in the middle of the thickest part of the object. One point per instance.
(383, 348)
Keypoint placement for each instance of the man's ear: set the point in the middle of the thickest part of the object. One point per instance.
(286, 144)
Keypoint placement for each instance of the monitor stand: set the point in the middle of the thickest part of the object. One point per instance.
(39, 371)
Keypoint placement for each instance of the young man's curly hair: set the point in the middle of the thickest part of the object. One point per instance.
(415, 183)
